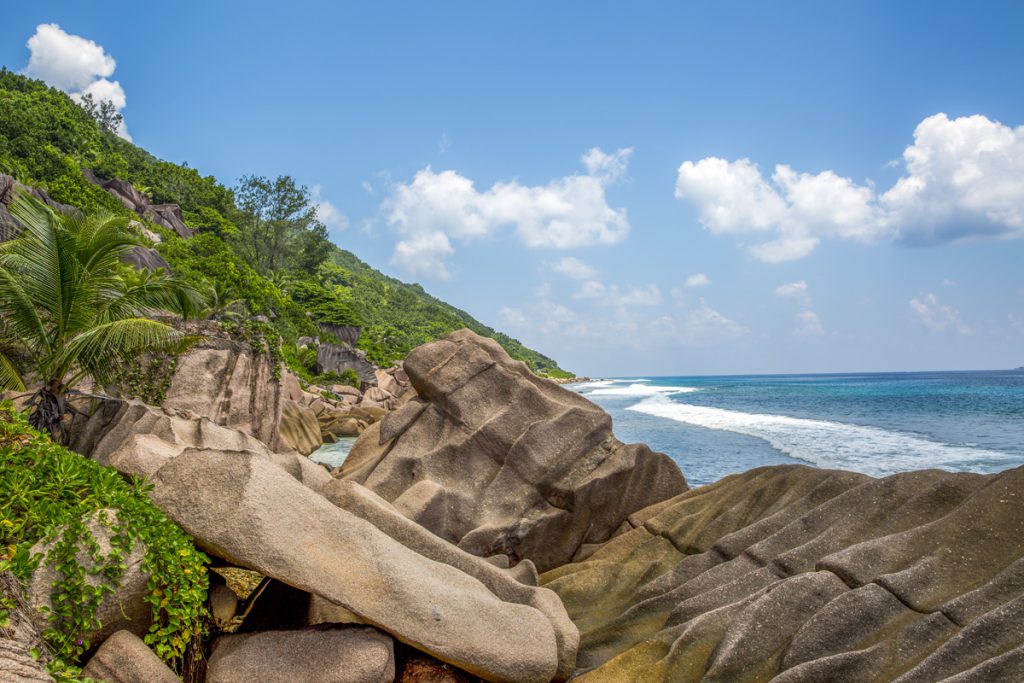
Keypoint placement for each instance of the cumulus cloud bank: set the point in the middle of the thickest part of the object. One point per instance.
(437, 208)
(963, 179)
(76, 65)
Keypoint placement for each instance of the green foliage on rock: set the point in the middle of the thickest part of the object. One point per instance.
(48, 493)
(261, 241)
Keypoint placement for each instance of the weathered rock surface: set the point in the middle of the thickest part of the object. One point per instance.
(339, 655)
(124, 658)
(18, 666)
(245, 510)
(796, 574)
(346, 334)
(517, 585)
(166, 215)
(144, 258)
(299, 427)
(19, 637)
(138, 439)
(123, 608)
(232, 384)
(9, 190)
(341, 357)
(497, 460)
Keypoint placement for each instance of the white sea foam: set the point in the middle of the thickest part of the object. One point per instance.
(870, 450)
(639, 390)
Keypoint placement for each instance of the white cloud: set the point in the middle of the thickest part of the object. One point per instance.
(444, 144)
(330, 215)
(797, 291)
(937, 316)
(705, 320)
(620, 298)
(65, 61)
(572, 267)
(546, 317)
(964, 178)
(698, 280)
(102, 89)
(609, 167)
(423, 255)
(512, 316)
(568, 212)
(76, 65)
(701, 325)
(808, 325)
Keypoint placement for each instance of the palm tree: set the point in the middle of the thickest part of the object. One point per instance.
(220, 304)
(69, 307)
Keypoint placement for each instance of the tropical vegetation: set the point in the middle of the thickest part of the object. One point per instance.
(50, 498)
(259, 243)
(71, 309)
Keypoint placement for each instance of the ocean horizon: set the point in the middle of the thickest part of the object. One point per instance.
(876, 423)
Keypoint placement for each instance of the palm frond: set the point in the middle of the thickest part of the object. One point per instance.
(9, 377)
(104, 349)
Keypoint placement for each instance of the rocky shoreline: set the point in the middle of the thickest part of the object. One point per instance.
(488, 525)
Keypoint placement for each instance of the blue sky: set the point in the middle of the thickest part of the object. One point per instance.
(632, 189)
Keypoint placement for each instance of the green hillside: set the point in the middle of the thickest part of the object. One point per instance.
(257, 245)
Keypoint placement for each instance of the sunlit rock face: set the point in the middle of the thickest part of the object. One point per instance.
(499, 461)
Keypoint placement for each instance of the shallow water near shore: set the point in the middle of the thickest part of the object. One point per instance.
(333, 454)
(875, 423)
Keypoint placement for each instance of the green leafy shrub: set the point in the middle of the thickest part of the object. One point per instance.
(262, 337)
(347, 376)
(48, 493)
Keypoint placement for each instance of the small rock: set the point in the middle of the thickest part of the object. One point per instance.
(343, 655)
(124, 658)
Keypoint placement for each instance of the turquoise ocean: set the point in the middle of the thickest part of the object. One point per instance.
(874, 423)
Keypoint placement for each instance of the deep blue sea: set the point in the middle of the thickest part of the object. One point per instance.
(875, 423)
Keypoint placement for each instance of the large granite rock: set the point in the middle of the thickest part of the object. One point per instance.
(232, 384)
(124, 658)
(9, 191)
(145, 258)
(243, 509)
(795, 574)
(339, 655)
(124, 606)
(498, 461)
(299, 427)
(166, 215)
(137, 439)
(341, 357)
